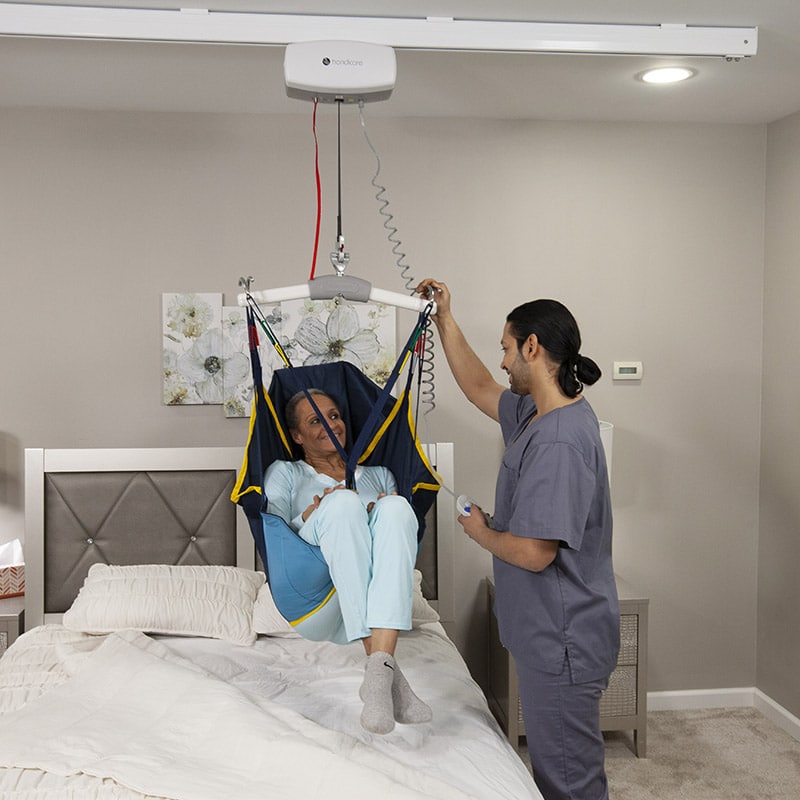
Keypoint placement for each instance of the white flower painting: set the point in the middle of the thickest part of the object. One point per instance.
(238, 388)
(206, 358)
(322, 331)
(196, 357)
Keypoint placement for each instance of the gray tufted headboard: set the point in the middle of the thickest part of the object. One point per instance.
(126, 506)
(161, 506)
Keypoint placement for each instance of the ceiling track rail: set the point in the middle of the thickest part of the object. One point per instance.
(430, 33)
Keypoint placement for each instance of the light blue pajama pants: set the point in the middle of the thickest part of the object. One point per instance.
(371, 559)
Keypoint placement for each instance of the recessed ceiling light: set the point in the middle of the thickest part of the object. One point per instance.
(667, 75)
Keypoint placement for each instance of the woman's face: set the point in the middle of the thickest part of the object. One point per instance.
(310, 433)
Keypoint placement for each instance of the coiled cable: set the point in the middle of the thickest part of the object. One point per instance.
(426, 389)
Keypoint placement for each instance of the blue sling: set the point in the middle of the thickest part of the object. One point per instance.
(380, 431)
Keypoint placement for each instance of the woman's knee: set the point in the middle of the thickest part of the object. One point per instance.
(397, 506)
(340, 511)
(394, 513)
(345, 504)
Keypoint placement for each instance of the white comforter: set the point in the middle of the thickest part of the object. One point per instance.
(125, 715)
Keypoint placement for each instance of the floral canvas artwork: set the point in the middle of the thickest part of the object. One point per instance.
(238, 389)
(206, 356)
(322, 331)
(195, 356)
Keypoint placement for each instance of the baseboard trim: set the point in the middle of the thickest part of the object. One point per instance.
(777, 714)
(744, 697)
(701, 698)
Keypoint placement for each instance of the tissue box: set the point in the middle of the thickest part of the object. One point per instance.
(12, 581)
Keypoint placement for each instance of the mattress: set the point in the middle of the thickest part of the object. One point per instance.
(129, 715)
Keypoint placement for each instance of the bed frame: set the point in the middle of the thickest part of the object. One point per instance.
(166, 506)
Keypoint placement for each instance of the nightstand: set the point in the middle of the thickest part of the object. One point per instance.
(623, 705)
(12, 621)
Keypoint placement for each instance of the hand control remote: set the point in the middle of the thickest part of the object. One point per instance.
(464, 504)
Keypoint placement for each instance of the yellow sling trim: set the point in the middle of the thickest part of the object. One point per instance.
(434, 487)
(375, 439)
(313, 610)
(417, 444)
(238, 492)
(277, 422)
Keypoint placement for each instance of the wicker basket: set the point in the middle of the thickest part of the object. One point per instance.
(12, 581)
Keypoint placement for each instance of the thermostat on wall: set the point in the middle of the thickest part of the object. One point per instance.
(627, 370)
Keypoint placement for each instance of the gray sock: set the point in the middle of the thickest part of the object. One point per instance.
(376, 692)
(408, 708)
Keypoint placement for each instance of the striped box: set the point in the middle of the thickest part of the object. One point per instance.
(12, 581)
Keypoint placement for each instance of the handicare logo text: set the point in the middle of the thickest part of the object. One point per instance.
(342, 62)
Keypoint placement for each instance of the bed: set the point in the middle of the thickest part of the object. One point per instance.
(155, 665)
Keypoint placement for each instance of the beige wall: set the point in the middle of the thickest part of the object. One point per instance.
(652, 234)
(779, 543)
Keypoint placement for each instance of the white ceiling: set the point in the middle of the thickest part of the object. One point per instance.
(227, 78)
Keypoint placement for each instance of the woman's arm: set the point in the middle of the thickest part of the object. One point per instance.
(279, 491)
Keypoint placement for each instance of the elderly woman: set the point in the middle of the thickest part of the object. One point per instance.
(368, 539)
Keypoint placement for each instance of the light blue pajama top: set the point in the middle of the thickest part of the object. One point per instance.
(290, 487)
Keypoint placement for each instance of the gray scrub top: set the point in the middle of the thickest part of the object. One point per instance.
(553, 484)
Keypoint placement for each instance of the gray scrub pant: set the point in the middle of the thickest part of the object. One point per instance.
(562, 727)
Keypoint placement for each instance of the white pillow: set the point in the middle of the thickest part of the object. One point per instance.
(211, 601)
(267, 620)
(421, 610)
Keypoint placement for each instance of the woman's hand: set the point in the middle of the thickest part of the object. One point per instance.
(371, 505)
(318, 499)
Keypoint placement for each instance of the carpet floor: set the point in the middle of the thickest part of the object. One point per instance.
(706, 754)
